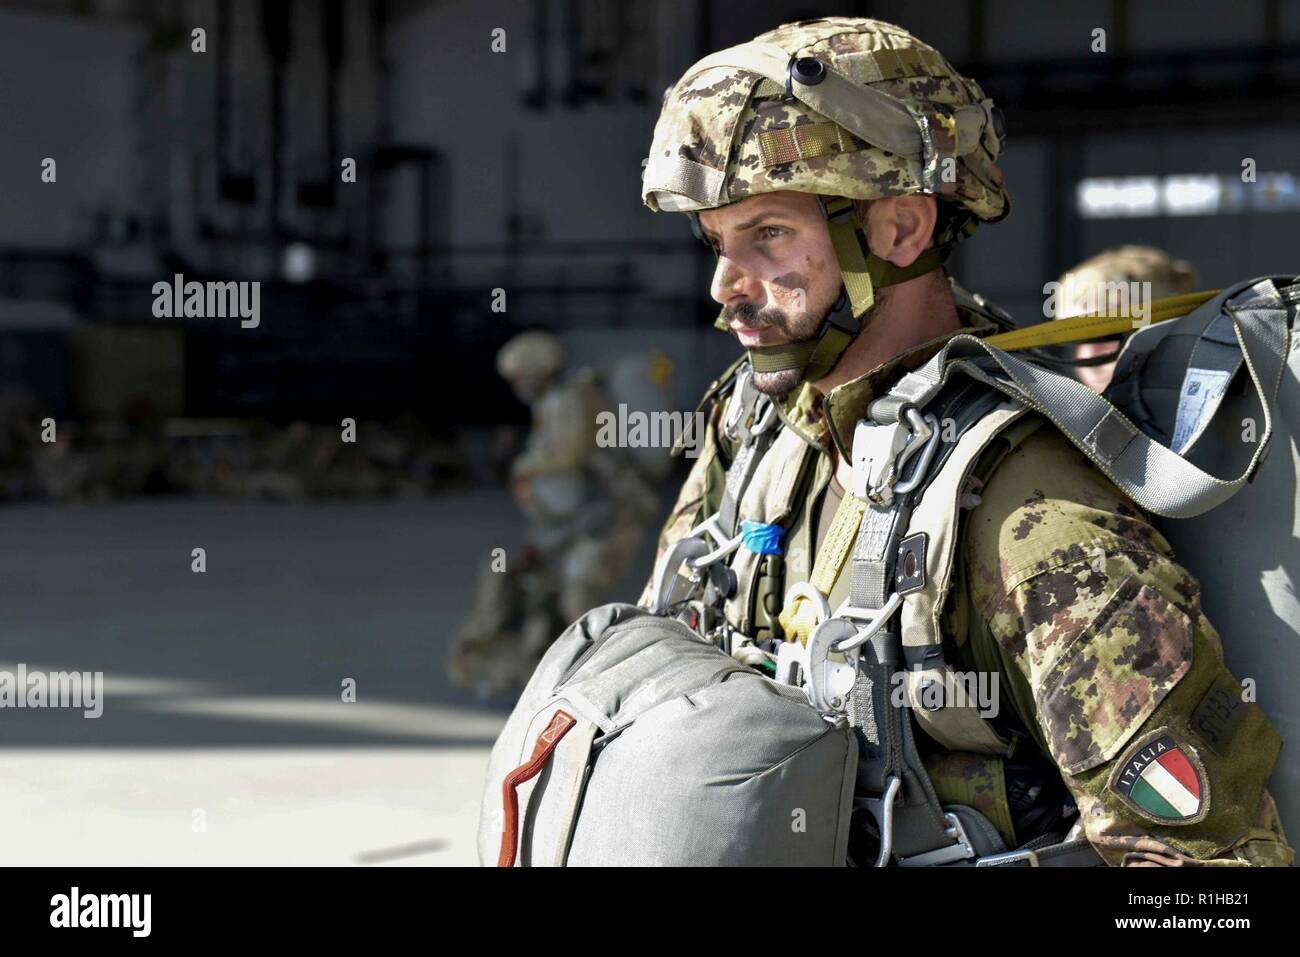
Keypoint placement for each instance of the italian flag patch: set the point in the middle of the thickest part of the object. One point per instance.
(1162, 779)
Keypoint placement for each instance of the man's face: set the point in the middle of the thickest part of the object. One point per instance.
(777, 277)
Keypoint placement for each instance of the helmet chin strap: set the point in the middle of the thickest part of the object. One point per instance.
(864, 272)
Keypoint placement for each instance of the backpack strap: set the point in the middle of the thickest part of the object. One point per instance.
(929, 550)
(1157, 478)
(749, 419)
(769, 502)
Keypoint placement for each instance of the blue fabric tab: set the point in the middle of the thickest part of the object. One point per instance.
(761, 538)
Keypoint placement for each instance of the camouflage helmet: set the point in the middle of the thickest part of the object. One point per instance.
(841, 107)
(1085, 286)
(531, 355)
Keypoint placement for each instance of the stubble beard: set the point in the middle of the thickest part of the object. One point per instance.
(802, 329)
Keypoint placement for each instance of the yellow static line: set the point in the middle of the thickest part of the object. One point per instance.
(1098, 325)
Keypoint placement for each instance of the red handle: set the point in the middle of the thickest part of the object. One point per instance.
(560, 725)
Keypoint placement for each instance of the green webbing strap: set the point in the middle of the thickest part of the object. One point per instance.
(830, 346)
(885, 273)
(853, 261)
(792, 355)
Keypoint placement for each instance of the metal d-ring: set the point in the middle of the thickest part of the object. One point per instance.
(736, 407)
(723, 545)
(875, 618)
(820, 670)
(681, 551)
(765, 420)
(808, 591)
(886, 820)
(725, 548)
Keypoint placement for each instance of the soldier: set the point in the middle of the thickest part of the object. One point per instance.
(586, 510)
(831, 164)
(1090, 287)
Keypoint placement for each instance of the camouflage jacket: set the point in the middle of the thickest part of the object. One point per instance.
(562, 438)
(1104, 659)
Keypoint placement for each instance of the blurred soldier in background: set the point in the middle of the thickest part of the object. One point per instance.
(587, 509)
(1086, 287)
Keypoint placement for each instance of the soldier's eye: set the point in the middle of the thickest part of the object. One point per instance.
(770, 232)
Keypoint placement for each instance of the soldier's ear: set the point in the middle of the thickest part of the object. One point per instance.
(900, 228)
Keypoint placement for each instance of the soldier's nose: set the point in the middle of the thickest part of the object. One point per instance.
(729, 282)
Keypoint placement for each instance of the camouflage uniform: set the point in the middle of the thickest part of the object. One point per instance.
(1098, 636)
(587, 509)
(588, 506)
(1063, 588)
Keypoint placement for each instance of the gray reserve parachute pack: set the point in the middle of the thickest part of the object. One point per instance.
(636, 743)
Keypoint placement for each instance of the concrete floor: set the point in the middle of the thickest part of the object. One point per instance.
(224, 738)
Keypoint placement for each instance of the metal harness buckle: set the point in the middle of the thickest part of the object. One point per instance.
(764, 410)
(882, 809)
(827, 682)
(962, 850)
(881, 452)
(696, 551)
(1010, 857)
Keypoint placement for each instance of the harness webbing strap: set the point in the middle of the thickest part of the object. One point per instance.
(738, 476)
(1157, 478)
(800, 618)
(887, 746)
(751, 405)
(873, 554)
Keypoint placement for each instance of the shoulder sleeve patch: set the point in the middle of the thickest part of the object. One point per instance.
(1161, 778)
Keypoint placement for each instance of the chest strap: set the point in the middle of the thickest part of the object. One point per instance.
(850, 661)
(749, 419)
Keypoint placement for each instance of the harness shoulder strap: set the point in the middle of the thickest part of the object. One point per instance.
(769, 501)
(1158, 478)
(941, 703)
